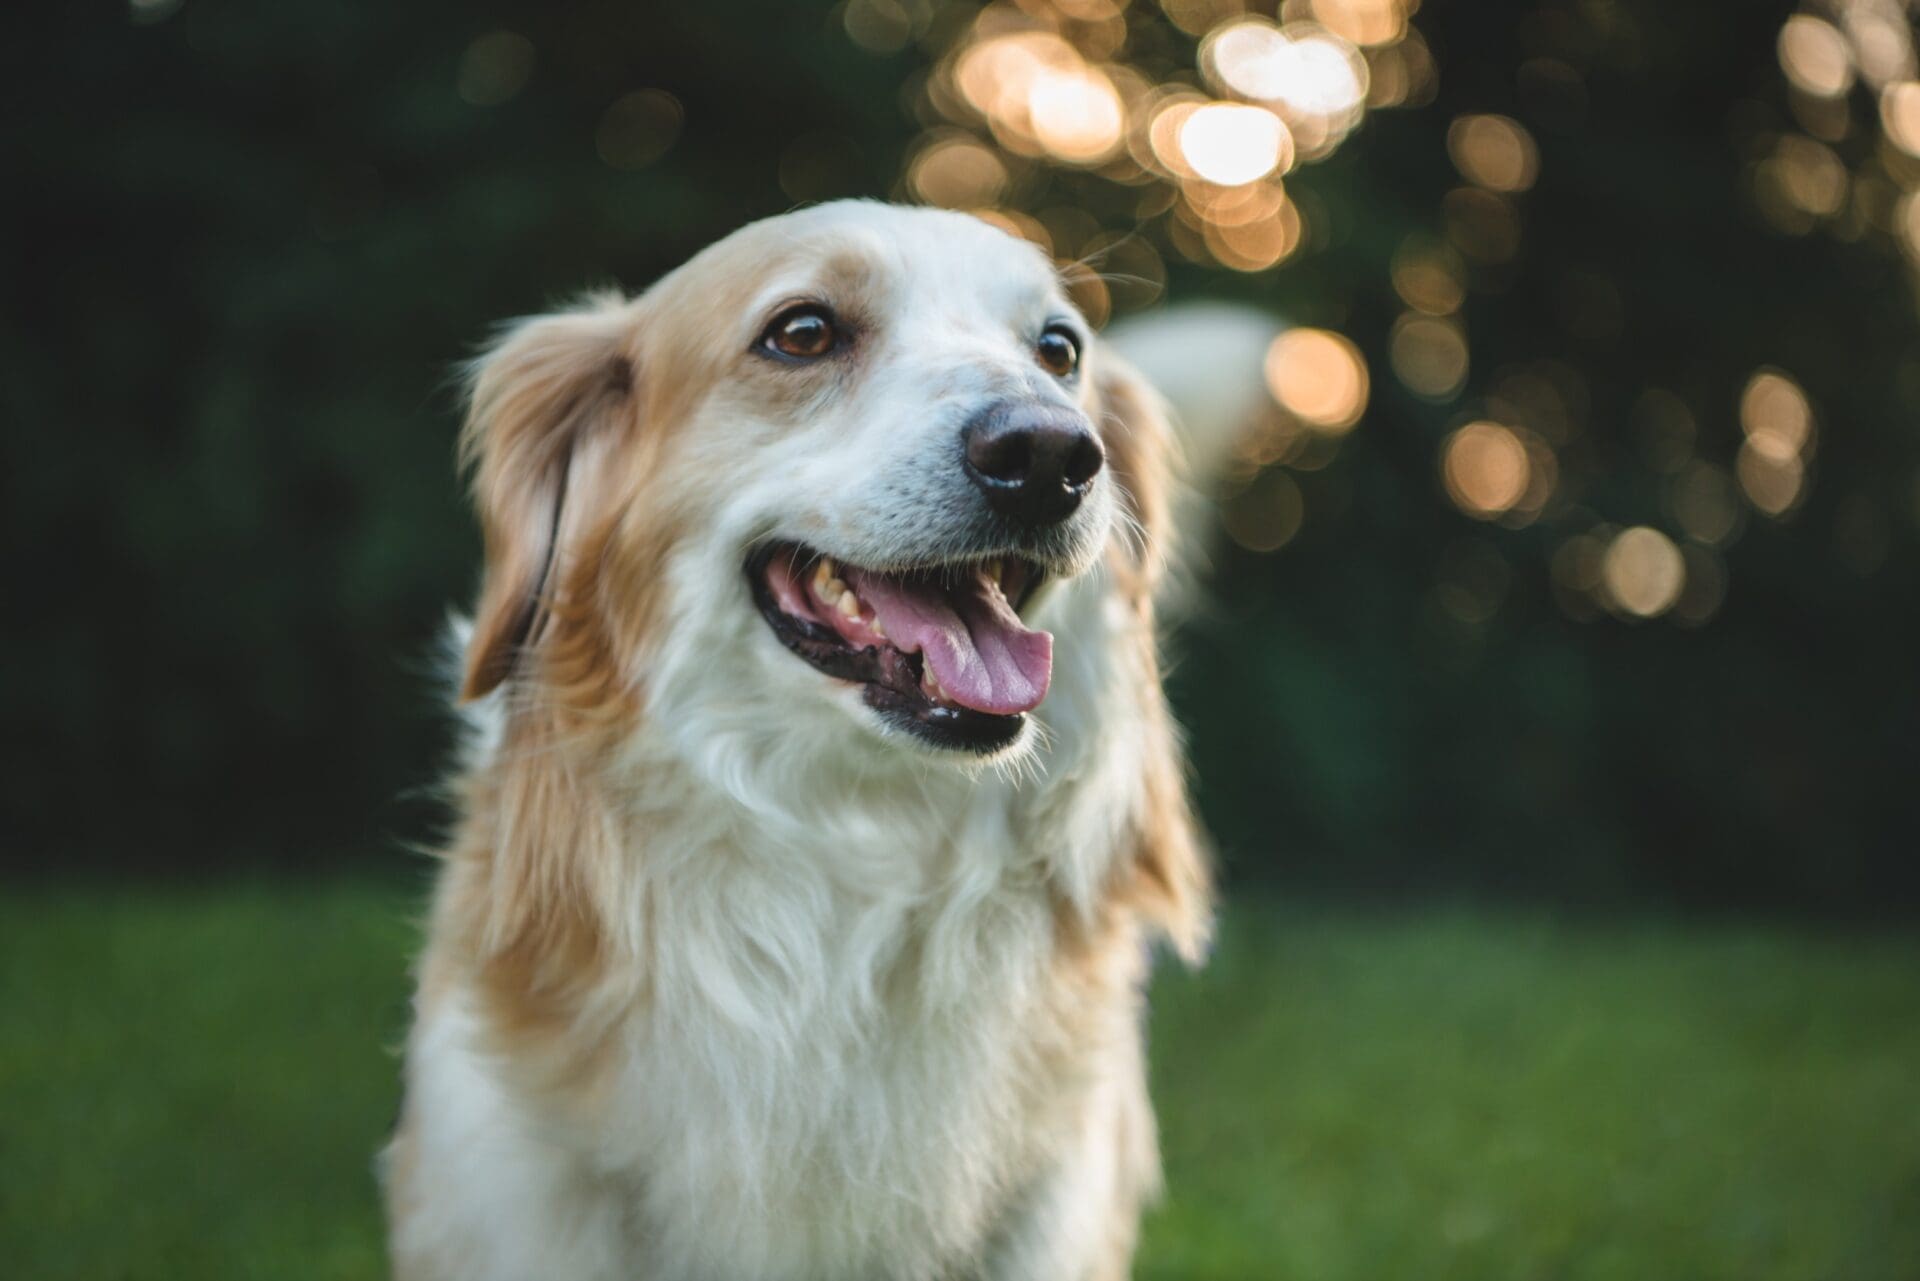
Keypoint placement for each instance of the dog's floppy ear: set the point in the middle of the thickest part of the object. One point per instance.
(1169, 880)
(544, 406)
(1140, 445)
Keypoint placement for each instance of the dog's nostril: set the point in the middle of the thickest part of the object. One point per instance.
(1006, 457)
(1033, 462)
(1084, 460)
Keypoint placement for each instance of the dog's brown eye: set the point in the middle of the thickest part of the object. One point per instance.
(1059, 352)
(802, 333)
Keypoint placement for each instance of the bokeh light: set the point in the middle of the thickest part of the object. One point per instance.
(1267, 514)
(1307, 74)
(639, 128)
(1257, 243)
(957, 172)
(1815, 57)
(1802, 181)
(1485, 468)
(1643, 572)
(1076, 114)
(1429, 356)
(1039, 97)
(1319, 377)
(1231, 145)
(1778, 423)
(1429, 277)
(1881, 41)
(1494, 152)
(1363, 22)
(1900, 115)
(1773, 407)
(1772, 483)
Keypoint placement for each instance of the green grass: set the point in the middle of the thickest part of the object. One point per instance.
(192, 1084)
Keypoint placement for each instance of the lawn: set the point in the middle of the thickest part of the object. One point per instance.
(192, 1083)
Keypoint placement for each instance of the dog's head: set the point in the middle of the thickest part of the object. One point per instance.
(830, 468)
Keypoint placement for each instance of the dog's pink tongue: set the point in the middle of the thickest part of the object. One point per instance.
(984, 657)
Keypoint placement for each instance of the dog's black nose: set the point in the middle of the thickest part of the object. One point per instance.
(1033, 462)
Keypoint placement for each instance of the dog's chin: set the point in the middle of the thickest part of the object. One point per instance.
(933, 655)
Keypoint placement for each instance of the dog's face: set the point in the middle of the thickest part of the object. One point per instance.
(826, 470)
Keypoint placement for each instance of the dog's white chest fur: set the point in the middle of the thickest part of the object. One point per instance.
(831, 1074)
(856, 1081)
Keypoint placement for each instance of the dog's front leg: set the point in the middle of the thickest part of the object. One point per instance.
(475, 1193)
(1080, 1219)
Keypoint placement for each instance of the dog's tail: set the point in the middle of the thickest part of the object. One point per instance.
(1207, 360)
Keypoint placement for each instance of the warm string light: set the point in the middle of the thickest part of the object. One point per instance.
(1851, 76)
(1777, 422)
(1022, 89)
(1038, 84)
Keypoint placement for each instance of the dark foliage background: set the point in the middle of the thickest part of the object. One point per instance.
(245, 244)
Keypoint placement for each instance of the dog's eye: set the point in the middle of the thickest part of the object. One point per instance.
(1059, 351)
(806, 332)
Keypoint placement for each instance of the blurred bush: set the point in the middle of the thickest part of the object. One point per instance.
(249, 246)
(1608, 592)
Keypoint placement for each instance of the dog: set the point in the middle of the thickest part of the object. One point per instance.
(820, 804)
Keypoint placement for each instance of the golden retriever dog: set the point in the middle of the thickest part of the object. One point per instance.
(820, 803)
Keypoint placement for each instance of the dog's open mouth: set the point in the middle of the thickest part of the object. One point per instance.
(940, 650)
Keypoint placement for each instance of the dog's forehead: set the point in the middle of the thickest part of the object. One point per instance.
(885, 260)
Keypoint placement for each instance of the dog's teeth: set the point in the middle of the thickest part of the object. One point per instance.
(878, 630)
(827, 585)
(848, 604)
(993, 570)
